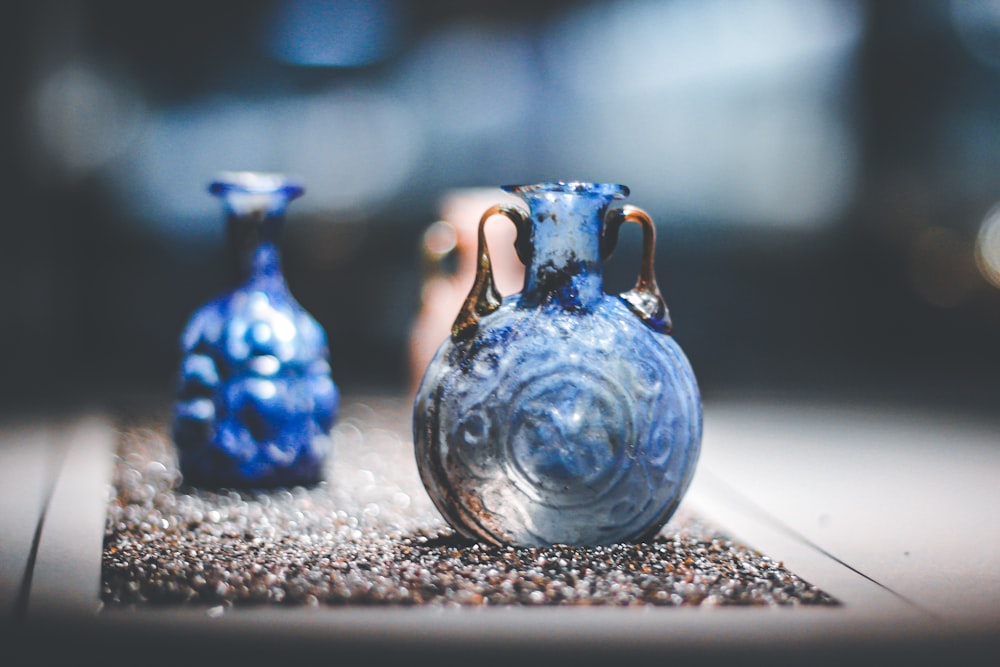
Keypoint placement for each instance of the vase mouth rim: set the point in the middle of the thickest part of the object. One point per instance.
(255, 183)
(614, 190)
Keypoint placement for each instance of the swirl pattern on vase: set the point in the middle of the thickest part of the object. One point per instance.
(562, 438)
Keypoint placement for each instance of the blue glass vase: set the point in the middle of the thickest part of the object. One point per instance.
(561, 414)
(256, 400)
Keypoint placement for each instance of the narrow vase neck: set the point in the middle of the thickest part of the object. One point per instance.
(255, 246)
(566, 267)
(265, 263)
(255, 204)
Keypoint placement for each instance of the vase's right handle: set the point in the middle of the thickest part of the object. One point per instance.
(484, 297)
(644, 299)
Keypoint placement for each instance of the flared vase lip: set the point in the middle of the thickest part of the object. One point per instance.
(256, 183)
(613, 190)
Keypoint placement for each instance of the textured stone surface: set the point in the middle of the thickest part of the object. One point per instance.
(370, 535)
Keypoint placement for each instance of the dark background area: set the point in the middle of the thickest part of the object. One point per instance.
(884, 139)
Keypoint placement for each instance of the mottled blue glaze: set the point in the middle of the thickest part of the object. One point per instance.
(564, 418)
(256, 401)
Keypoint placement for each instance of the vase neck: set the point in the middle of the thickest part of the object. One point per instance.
(264, 264)
(565, 267)
(255, 204)
(255, 247)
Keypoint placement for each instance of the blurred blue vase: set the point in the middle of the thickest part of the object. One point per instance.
(561, 414)
(255, 401)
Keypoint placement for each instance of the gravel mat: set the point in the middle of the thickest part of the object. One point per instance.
(370, 535)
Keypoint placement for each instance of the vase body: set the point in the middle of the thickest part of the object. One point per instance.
(562, 415)
(256, 400)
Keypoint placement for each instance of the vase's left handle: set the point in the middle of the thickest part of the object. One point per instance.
(484, 297)
(644, 299)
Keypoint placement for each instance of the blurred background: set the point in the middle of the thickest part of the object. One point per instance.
(824, 175)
